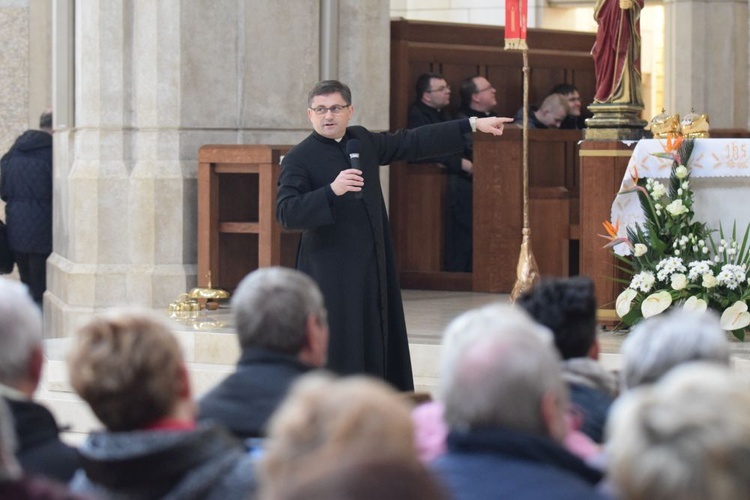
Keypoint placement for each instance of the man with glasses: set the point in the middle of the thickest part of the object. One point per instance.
(433, 96)
(345, 244)
(477, 100)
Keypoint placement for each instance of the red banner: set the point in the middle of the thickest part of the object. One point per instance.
(516, 12)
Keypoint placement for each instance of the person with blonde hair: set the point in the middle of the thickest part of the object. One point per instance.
(129, 368)
(550, 114)
(686, 436)
(328, 419)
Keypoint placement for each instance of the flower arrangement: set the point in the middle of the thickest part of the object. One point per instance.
(674, 260)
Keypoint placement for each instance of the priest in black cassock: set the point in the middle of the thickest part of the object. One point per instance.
(346, 244)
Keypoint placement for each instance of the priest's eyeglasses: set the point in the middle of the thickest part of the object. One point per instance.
(335, 109)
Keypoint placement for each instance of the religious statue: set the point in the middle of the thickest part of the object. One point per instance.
(617, 52)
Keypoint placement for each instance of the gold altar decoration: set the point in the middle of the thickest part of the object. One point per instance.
(211, 295)
(695, 126)
(663, 125)
(184, 307)
(527, 271)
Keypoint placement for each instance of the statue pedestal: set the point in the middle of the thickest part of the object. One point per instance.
(615, 122)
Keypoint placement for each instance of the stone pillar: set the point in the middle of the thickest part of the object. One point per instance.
(706, 58)
(154, 81)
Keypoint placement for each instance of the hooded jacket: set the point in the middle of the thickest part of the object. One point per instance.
(203, 463)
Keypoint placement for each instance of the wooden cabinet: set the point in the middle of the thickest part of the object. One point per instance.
(237, 228)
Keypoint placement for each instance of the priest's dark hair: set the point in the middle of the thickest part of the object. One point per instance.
(423, 83)
(567, 306)
(563, 88)
(327, 87)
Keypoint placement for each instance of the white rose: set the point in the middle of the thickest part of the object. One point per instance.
(709, 281)
(676, 208)
(622, 305)
(679, 281)
(639, 249)
(681, 172)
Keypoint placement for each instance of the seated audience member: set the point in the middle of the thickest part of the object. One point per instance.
(550, 114)
(685, 437)
(282, 328)
(662, 342)
(433, 94)
(39, 449)
(505, 404)
(329, 420)
(129, 369)
(575, 119)
(14, 484)
(567, 306)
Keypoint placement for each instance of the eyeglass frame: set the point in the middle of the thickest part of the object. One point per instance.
(336, 109)
(442, 88)
(478, 91)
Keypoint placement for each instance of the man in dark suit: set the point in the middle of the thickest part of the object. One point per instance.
(282, 327)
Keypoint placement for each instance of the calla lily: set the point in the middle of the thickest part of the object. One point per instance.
(622, 305)
(656, 303)
(695, 304)
(735, 316)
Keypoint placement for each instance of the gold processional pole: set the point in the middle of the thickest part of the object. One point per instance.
(527, 271)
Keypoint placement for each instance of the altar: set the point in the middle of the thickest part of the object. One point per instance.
(719, 178)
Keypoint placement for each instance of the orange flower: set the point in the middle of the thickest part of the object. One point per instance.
(611, 228)
(611, 235)
(674, 141)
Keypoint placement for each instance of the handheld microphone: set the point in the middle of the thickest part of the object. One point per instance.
(352, 149)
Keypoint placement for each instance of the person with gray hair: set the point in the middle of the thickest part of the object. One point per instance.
(505, 404)
(686, 436)
(282, 328)
(658, 344)
(39, 450)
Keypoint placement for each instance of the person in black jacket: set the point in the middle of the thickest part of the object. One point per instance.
(346, 244)
(282, 328)
(567, 306)
(26, 188)
(39, 449)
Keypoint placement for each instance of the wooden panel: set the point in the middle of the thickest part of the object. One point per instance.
(237, 228)
(416, 196)
(600, 181)
(420, 218)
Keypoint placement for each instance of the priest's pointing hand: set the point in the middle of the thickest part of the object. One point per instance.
(347, 180)
(492, 125)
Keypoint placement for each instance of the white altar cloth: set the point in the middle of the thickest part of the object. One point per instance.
(719, 178)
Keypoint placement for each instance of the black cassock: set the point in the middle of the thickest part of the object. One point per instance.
(346, 243)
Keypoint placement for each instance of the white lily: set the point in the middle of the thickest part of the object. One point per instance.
(735, 316)
(622, 304)
(656, 303)
(694, 304)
